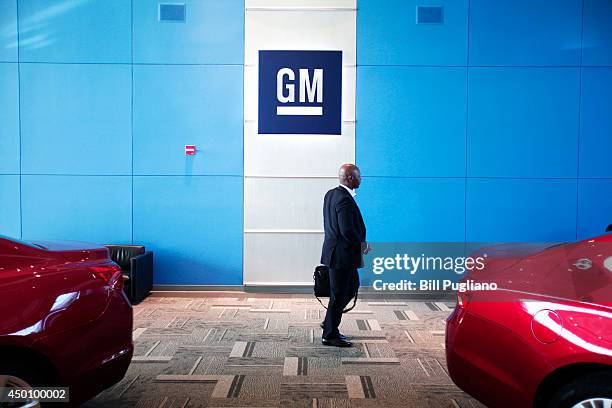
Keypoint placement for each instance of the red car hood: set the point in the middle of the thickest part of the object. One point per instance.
(75, 250)
(67, 245)
(519, 249)
(548, 271)
(500, 258)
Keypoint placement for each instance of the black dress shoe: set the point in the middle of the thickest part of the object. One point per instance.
(340, 336)
(337, 342)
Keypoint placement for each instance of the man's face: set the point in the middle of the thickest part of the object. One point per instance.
(355, 179)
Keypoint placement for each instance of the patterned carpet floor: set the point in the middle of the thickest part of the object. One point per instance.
(249, 350)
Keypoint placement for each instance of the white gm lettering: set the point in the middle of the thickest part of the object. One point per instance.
(280, 86)
(311, 88)
(310, 91)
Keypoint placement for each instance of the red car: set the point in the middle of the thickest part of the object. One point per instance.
(65, 320)
(544, 337)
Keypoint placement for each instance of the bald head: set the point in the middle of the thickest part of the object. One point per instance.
(349, 175)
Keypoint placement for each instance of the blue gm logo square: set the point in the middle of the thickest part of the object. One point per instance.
(300, 92)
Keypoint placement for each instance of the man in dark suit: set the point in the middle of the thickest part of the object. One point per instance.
(343, 249)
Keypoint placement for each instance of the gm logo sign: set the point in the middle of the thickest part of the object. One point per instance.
(300, 92)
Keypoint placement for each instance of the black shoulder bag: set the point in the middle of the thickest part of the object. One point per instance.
(321, 286)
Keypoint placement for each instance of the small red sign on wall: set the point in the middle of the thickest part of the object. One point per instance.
(190, 150)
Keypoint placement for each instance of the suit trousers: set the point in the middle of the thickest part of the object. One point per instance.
(343, 283)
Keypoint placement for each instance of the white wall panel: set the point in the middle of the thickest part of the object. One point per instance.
(285, 203)
(286, 176)
(281, 258)
(301, 4)
(300, 30)
(297, 155)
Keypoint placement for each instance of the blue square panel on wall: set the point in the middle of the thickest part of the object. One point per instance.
(594, 207)
(75, 31)
(397, 209)
(179, 105)
(76, 119)
(8, 31)
(525, 32)
(596, 123)
(194, 226)
(9, 206)
(389, 33)
(9, 119)
(300, 92)
(523, 122)
(514, 210)
(597, 33)
(78, 208)
(172, 12)
(212, 33)
(411, 121)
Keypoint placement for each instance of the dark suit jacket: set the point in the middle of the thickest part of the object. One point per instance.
(344, 230)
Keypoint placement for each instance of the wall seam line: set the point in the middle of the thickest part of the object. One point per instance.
(579, 117)
(19, 123)
(478, 66)
(244, 16)
(127, 63)
(467, 101)
(308, 177)
(132, 113)
(243, 130)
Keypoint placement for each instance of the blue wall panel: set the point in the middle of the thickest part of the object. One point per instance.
(594, 207)
(596, 123)
(75, 31)
(76, 119)
(8, 31)
(413, 209)
(521, 210)
(523, 122)
(80, 121)
(597, 33)
(81, 208)
(525, 32)
(179, 105)
(212, 33)
(9, 206)
(388, 34)
(396, 135)
(9, 119)
(194, 225)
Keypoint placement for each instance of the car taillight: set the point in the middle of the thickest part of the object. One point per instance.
(110, 274)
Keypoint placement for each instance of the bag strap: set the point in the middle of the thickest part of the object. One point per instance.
(354, 303)
(347, 309)
(325, 307)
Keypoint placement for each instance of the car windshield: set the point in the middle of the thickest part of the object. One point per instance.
(30, 244)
